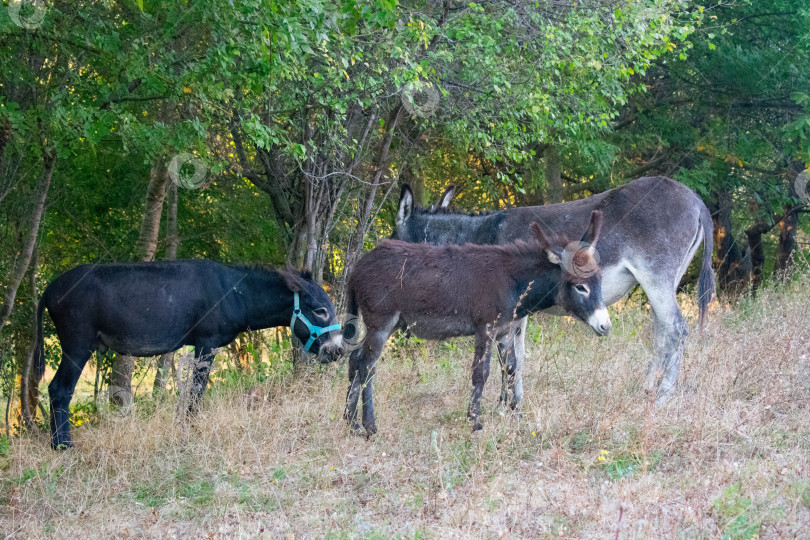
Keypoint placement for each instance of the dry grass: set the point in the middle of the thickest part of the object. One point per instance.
(588, 458)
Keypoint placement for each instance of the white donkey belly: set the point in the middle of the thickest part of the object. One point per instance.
(617, 281)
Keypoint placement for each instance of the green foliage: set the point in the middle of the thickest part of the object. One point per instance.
(739, 512)
(182, 487)
(84, 412)
(732, 115)
(621, 465)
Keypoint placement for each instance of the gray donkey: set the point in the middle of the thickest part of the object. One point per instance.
(653, 228)
(437, 292)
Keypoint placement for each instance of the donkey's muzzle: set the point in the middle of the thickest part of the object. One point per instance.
(603, 329)
(600, 321)
(332, 350)
(327, 356)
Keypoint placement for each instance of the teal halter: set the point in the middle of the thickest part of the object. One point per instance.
(315, 331)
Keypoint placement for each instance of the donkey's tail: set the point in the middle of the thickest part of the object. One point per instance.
(706, 284)
(351, 297)
(39, 346)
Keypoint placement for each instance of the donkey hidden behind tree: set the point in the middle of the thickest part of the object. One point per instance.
(438, 292)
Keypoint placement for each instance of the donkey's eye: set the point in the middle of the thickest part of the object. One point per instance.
(582, 289)
(321, 312)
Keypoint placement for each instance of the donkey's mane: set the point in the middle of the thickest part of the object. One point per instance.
(252, 267)
(522, 248)
(447, 211)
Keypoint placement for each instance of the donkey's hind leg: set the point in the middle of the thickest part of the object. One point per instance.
(362, 364)
(203, 360)
(353, 393)
(360, 382)
(480, 372)
(61, 390)
(670, 332)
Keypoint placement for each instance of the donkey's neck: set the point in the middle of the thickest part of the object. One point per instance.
(265, 299)
(537, 286)
(442, 229)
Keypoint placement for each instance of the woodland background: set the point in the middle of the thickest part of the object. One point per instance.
(298, 121)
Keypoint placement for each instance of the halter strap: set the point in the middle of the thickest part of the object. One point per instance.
(315, 331)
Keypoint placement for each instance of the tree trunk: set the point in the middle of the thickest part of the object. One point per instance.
(417, 183)
(552, 167)
(534, 189)
(734, 268)
(121, 381)
(29, 393)
(311, 219)
(787, 242)
(8, 167)
(166, 361)
(296, 254)
(150, 224)
(24, 259)
(124, 365)
(355, 247)
(754, 235)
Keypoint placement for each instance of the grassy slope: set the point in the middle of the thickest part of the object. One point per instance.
(728, 455)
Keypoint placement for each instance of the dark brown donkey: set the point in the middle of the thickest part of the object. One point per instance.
(438, 292)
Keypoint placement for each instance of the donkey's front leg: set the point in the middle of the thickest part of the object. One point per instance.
(353, 393)
(520, 356)
(511, 352)
(480, 372)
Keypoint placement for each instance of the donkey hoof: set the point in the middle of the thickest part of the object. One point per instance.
(662, 400)
(357, 430)
(61, 446)
(477, 426)
(371, 429)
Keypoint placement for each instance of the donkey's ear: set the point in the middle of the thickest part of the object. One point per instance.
(292, 279)
(405, 210)
(591, 236)
(306, 274)
(552, 249)
(447, 196)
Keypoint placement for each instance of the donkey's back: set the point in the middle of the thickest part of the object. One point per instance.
(141, 308)
(438, 292)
